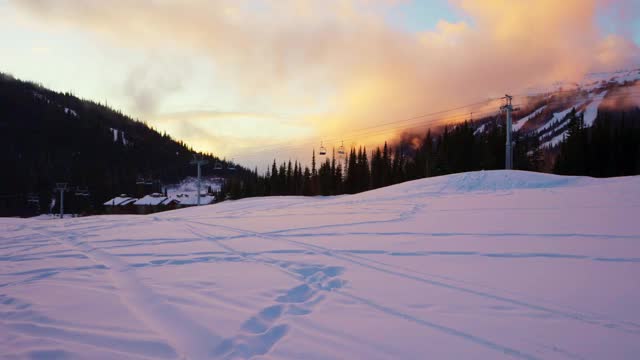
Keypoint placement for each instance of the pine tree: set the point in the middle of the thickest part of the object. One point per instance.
(386, 166)
(306, 183)
(338, 181)
(289, 180)
(313, 164)
(282, 179)
(571, 160)
(324, 175)
(333, 172)
(366, 172)
(275, 179)
(352, 173)
(315, 183)
(376, 169)
(428, 153)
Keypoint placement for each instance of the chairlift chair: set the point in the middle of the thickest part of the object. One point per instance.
(217, 166)
(323, 150)
(341, 149)
(82, 191)
(33, 199)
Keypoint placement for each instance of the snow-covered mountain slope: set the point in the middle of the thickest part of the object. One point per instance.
(479, 265)
(546, 111)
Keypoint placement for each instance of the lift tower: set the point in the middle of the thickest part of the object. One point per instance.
(61, 187)
(508, 158)
(198, 161)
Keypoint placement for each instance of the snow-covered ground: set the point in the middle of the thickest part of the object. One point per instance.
(480, 265)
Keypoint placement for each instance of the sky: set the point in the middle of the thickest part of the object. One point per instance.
(253, 80)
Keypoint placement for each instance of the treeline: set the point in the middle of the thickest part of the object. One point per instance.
(611, 147)
(454, 149)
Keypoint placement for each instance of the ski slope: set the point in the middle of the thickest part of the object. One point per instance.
(481, 265)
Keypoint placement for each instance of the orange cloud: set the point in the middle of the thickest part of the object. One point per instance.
(347, 65)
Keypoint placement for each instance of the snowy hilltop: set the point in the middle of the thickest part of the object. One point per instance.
(546, 112)
(486, 265)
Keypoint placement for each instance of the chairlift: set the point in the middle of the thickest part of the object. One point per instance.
(323, 150)
(82, 191)
(231, 166)
(33, 199)
(217, 166)
(341, 149)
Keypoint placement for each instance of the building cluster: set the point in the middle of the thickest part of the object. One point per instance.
(155, 202)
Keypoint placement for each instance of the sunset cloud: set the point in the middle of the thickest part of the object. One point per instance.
(341, 65)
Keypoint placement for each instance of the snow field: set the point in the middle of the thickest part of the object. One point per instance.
(495, 264)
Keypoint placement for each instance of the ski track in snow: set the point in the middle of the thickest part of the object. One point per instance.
(189, 339)
(304, 294)
(323, 263)
(262, 331)
(364, 262)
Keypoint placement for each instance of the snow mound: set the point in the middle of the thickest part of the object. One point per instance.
(478, 181)
(505, 180)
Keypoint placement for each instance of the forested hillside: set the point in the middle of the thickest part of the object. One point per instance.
(48, 137)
